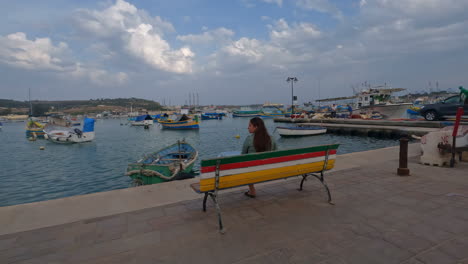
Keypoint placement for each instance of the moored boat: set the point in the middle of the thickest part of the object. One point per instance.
(302, 130)
(184, 122)
(374, 99)
(69, 135)
(34, 129)
(143, 120)
(174, 162)
(272, 110)
(246, 112)
(211, 116)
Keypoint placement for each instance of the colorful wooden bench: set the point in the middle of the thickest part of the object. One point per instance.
(229, 172)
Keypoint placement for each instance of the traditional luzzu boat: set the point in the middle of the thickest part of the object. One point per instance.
(272, 110)
(69, 135)
(301, 130)
(34, 129)
(246, 112)
(160, 117)
(184, 122)
(174, 162)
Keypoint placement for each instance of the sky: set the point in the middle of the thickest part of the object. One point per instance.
(229, 52)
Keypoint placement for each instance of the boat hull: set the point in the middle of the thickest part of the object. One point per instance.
(300, 131)
(211, 117)
(142, 123)
(391, 111)
(37, 133)
(142, 179)
(242, 113)
(245, 115)
(268, 115)
(181, 125)
(174, 162)
(34, 129)
(61, 138)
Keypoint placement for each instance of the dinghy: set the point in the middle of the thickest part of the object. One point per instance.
(301, 130)
(174, 162)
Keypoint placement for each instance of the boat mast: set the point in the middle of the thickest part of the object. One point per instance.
(30, 104)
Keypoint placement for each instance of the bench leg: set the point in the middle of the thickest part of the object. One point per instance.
(304, 177)
(322, 180)
(204, 202)
(218, 211)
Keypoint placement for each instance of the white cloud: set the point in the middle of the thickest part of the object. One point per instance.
(42, 55)
(287, 46)
(218, 35)
(283, 33)
(251, 49)
(38, 54)
(139, 34)
(117, 19)
(155, 51)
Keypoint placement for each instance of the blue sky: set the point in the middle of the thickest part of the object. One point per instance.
(229, 52)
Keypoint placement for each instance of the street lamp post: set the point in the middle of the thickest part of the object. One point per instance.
(292, 80)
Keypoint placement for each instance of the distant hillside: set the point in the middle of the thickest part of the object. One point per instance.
(80, 106)
(13, 104)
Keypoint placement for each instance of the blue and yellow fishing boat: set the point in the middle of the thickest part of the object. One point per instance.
(184, 122)
(34, 129)
(272, 110)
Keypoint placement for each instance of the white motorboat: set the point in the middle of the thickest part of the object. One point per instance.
(376, 99)
(68, 135)
(301, 130)
(143, 120)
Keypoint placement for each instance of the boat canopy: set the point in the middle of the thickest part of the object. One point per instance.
(143, 117)
(88, 125)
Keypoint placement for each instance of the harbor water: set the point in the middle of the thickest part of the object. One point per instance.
(29, 174)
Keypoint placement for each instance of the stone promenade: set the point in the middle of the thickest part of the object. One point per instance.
(378, 217)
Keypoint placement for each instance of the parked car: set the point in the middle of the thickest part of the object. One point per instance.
(443, 109)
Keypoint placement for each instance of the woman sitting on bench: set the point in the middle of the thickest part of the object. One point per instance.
(258, 141)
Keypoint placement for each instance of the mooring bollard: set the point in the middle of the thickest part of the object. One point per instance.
(403, 169)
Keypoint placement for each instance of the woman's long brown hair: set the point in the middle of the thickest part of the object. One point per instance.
(262, 141)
